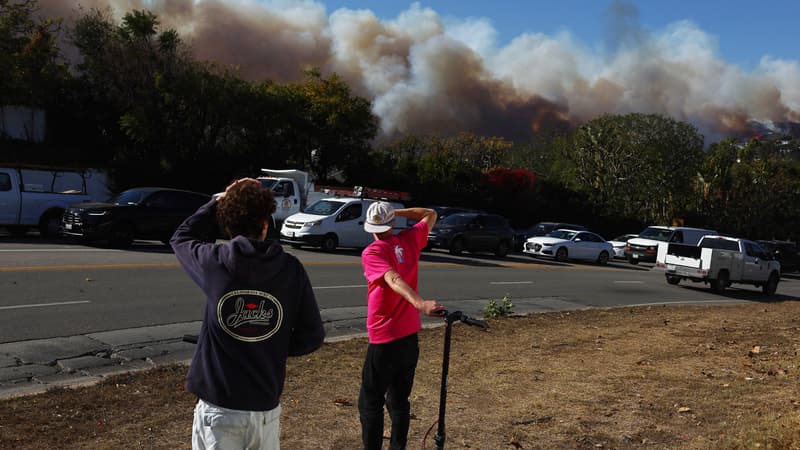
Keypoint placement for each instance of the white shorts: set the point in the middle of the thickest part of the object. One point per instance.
(218, 428)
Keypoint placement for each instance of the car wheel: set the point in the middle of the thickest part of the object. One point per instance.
(672, 279)
(720, 283)
(50, 223)
(121, 235)
(502, 249)
(633, 260)
(329, 243)
(457, 246)
(561, 254)
(602, 259)
(772, 284)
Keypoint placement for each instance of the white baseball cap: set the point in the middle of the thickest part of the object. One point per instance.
(380, 217)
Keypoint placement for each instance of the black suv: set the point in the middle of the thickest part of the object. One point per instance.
(473, 232)
(787, 253)
(139, 213)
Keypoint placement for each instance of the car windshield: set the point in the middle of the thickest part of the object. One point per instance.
(656, 234)
(539, 229)
(132, 197)
(268, 183)
(562, 234)
(456, 219)
(323, 207)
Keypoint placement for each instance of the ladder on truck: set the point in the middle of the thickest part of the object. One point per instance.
(363, 192)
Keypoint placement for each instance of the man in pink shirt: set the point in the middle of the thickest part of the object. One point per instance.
(391, 266)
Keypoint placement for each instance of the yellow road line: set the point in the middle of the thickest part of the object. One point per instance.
(315, 263)
(89, 267)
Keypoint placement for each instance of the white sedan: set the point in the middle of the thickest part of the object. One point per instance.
(619, 243)
(566, 244)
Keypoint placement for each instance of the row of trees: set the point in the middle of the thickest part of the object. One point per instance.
(140, 105)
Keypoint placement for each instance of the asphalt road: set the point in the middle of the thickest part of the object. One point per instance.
(58, 288)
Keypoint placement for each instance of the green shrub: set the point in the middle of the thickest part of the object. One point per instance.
(494, 310)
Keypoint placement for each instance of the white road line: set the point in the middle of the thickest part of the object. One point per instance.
(511, 282)
(629, 282)
(42, 305)
(33, 250)
(351, 286)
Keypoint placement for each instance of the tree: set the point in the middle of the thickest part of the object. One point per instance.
(635, 165)
(750, 190)
(30, 70)
(341, 125)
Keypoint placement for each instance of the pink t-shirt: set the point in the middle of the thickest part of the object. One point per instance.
(389, 315)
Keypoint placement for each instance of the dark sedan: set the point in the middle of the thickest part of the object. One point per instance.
(148, 213)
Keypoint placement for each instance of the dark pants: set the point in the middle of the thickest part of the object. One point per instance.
(387, 377)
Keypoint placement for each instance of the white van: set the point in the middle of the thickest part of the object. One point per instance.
(333, 222)
(645, 246)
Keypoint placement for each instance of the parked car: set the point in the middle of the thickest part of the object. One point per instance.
(619, 243)
(564, 244)
(151, 213)
(541, 229)
(331, 223)
(473, 232)
(787, 253)
(645, 246)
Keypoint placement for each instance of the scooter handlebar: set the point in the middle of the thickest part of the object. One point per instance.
(458, 315)
(474, 322)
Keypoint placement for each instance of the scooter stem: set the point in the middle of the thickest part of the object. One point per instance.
(449, 318)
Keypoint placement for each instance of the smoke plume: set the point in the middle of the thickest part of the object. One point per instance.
(424, 76)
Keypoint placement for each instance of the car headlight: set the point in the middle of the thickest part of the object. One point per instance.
(315, 223)
(546, 245)
(99, 213)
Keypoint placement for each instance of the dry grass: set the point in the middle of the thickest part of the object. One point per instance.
(657, 377)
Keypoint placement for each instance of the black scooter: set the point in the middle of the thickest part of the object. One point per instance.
(449, 319)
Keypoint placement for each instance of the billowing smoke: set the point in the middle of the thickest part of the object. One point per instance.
(427, 76)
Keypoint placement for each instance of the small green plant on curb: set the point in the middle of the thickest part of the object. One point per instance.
(494, 310)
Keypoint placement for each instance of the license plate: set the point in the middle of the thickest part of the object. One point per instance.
(635, 256)
(670, 266)
(67, 226)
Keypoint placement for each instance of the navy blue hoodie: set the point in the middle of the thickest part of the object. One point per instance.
(260, 309)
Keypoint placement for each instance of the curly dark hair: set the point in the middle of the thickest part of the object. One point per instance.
(244, 208)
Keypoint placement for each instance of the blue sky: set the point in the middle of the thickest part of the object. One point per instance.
(745, 30)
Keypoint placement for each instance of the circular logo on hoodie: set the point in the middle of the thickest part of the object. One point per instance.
(249, 315)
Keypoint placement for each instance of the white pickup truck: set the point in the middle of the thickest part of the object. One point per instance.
(720, 261)
(36, 197)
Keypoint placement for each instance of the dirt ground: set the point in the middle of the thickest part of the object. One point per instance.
(683, 377)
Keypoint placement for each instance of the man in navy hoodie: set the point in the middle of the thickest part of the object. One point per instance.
(260, 309)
